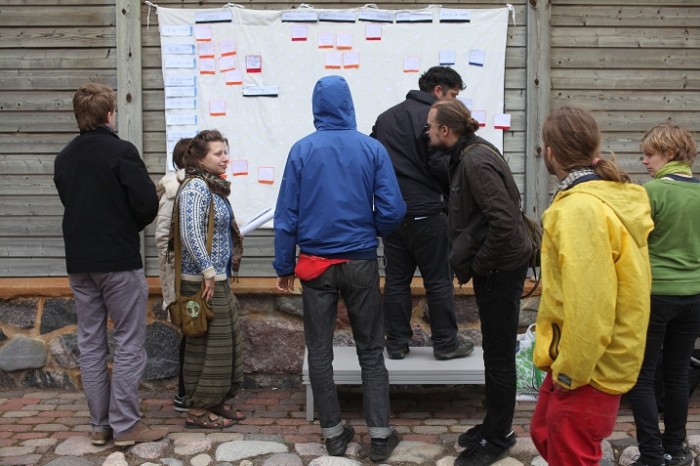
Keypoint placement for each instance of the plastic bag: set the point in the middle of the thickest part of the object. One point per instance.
(528, 377)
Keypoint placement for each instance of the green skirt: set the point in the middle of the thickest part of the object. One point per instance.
(213, 366)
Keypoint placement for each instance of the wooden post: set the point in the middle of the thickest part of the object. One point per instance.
(538, 102)
(129, 84)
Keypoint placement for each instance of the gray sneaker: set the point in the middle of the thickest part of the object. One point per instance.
(463, 349)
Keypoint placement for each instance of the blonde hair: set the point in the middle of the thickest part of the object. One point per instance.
(91, 104)
(574, 137)
(670, 137)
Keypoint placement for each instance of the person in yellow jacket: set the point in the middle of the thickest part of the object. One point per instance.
(594, 309)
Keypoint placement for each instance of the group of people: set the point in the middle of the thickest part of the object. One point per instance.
(620, 265)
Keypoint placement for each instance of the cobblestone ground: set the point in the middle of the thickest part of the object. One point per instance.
(51, 428)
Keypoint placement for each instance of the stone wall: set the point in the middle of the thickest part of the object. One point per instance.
(38, 341)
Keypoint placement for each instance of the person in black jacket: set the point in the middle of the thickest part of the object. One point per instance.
(490, 246)
(108, 198)
(421, 239)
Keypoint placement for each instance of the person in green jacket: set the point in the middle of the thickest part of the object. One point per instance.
(674, 325)
(596, 283)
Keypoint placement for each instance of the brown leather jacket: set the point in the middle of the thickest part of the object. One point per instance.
(486, 226)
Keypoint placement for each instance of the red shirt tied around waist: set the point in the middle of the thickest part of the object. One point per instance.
(311, 267)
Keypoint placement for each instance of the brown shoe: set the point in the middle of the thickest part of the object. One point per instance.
(140, 433)
(100, 437)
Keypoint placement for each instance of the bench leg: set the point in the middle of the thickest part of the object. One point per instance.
(309, 403)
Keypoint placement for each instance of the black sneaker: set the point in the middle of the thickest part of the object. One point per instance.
(483, 453)
(473, 436)
(381, 448)
(463, 349)
(682, 458)
(336, 446)
(398, 353)
(179, 404)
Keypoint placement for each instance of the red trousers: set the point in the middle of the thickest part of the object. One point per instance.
(568, 426)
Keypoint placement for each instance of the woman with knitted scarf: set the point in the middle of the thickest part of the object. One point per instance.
(213, 363)
(674, 325)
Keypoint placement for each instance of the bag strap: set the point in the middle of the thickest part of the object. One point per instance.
(178, 240)
(532, 266)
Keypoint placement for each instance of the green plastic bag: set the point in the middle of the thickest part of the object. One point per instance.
(529, 377)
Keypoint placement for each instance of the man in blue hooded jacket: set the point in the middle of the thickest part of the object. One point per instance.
(338, 193)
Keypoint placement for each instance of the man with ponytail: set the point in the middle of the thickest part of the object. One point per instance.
(594, 308)
(490, 246)
(674, 325)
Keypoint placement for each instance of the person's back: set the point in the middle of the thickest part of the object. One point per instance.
(338, 193)
(422, 239)
(108, 198)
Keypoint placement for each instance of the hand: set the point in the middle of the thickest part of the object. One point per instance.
(208, 292)
(286, 283)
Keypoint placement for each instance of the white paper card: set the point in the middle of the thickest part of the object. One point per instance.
(502, 121)
(178, 49)
(227, 63)
(373, 31)
(202, 33)
(179, 119)
(300, 31)
(234, 77)
(180, 80)
(266, 174)
(326, 39)
(207, 66)
(339, 16)
(351, 60)
(251, 91)
(343, 41)
(457, 15)
(217, 107)
(477, 57)
(178, 61)
(218, 16)
(447, 57)
(227, 47)
(180, 102)
(411, 64)
(239, 167)
(207, 50)
(378, 16)
(304, 16)
(175, 134)
(333, 60)
(176, 30)
(480, 116)
(181, 91)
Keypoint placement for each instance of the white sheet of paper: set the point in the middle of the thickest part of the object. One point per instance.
(333, 60)
(326, 40)
(202, 33)
(207, 65)
(253, 62)
(234, 77)
(343, 41)
(300, 31)
(178, 49)
(227, 47)
(181, 91)
(477, 57)
(217, 107)
(266, 174)
(181, 103)
(480, 116)
(176, 30)
(180, 80)
(351, 60)
(373, 31)
(447, 57)
(206, 50)
(178, 119)
(411, 64)
(178, 61)
(502, 121)
(239, 167)
(227, 63)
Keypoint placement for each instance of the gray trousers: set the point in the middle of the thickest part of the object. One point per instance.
(122, 297)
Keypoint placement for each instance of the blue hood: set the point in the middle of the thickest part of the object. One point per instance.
(332, 104)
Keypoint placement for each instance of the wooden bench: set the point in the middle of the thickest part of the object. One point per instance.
(418, 368)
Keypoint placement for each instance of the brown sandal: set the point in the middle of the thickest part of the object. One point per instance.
(207, 420)
(228, 412)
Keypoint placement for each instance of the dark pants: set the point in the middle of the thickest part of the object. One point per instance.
(674, 325)
(498, 298)
(358, 283)
(423, 243)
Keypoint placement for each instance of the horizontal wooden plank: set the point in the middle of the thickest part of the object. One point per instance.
(13, 205)
(32, 267)
(640, 100)
(31, 226)
(34, 143)
(37, 100)
(645, 79)
(632, 59)
(602, 37)
(617, 15)
(32, 247)
(33, 164)
(631, 121)
(21, 16)
(564, 3)
(87, 59)
(32, 122)
(64, 79)
(58, 37)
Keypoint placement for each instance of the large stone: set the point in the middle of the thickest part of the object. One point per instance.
(58, 313)
(272, 347)
(291, 305)
(237, 450)
(163, 350)
(23, 353)
(18, 312)
(47, 380)
(64, 350)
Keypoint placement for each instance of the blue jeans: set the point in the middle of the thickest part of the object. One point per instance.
(358, 283)
(674, 325)
(498, 298)
(423, 243)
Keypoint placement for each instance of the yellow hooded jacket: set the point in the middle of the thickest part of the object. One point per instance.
(594, 310)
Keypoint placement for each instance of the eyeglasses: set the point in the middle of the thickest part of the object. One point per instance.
(428, 126)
